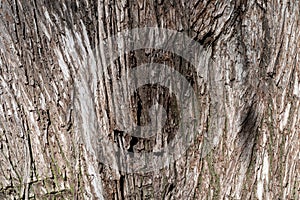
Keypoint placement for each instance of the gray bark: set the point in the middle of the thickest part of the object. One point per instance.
(248, 99)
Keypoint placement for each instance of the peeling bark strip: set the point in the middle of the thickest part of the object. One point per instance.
(248, 98)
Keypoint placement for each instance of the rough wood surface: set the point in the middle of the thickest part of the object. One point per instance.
(248, 99)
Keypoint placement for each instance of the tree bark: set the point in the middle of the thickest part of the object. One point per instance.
(248, 98)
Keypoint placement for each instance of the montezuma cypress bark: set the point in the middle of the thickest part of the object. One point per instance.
(249, 99)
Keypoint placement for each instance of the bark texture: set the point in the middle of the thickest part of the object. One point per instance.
(248, 99)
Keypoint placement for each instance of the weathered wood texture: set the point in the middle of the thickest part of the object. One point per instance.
(249, 99)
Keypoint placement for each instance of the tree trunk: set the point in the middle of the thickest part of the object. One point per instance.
(62, 95)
